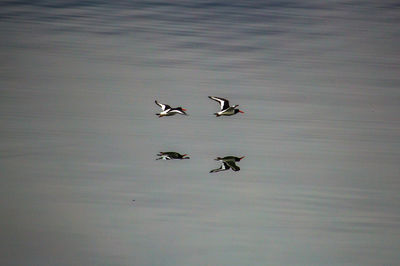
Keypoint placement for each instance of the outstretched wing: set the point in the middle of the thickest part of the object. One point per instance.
(163, 106)
(163, 157)
(232, 165)
(223, 167)
(223, 102)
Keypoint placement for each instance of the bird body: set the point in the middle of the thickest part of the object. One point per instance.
(229, 158)
(226, 109)
(168, 111)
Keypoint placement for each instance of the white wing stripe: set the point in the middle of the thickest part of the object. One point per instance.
(163, 106)
(222, 102)
(175, 111)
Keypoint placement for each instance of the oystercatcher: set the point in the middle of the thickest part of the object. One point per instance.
(225, 108)
(171, 155)
(168, 111)
(228, 162)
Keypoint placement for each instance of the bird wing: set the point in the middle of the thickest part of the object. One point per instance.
(163, 157)
(163, 106)
(223, 102)
(232, 165)
(168, 153)
(223, 167)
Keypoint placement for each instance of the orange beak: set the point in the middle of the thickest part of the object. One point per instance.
(184, 155)
(242, 157)
(184, 109)
(241, 112)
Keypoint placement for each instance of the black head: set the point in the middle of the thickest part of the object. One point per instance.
(182, 110)
(238, 111)
(184, 156)
(237, 159)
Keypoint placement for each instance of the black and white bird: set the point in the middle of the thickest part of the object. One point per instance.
(168, 111)
(171, 155)
(226, 109)
(228, 162)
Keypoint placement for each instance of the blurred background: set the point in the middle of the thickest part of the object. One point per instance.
(318, 82)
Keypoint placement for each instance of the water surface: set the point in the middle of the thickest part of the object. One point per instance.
(319, 85)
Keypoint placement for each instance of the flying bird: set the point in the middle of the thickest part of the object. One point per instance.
(168, 111)
(228, 162)
(226, 109)
(171, 155)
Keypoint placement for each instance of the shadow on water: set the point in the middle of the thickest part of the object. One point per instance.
(171, 155)
(228, 162)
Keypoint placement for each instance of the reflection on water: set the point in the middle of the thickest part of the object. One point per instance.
(319, 82)
(228, 162)
(170, 155)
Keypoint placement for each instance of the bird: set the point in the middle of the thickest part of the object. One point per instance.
(226, 109)
(171, 155)
(168, 111)
(228, 162)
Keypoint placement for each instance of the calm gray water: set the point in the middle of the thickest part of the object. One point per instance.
(318, 82)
